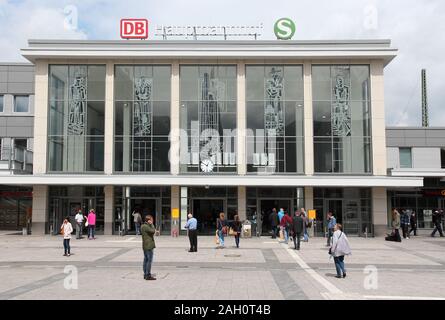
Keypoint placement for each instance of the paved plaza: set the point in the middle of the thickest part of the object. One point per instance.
(110, 267)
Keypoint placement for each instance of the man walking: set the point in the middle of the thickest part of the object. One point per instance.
(404, 221)
(331, 224)
(79, 224)
(148, 244)
(192, 225)
(297, 228)
(437, 220)
(274, 222)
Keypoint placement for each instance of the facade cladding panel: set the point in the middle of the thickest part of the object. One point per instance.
(113, 118)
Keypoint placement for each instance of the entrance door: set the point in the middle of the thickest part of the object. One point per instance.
(206, 211)
(266, 207)
(144, 207)
(336, 207)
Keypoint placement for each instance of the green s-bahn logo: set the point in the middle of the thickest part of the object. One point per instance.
(284, 29)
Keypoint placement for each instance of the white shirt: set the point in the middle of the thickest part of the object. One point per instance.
(340, 244)
(79, 218)
(67, 230)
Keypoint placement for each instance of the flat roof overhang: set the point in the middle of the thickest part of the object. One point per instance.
(418, 172)
(189, 180)
(210, 49)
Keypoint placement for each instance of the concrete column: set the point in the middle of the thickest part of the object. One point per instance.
(109, 119)
(109, 209)
(378, 119)
(241, 120)
(40, 117)
(174, 119)
(242, 203)
(379, 211)
(175, 204)
(308, 198)
(308, 121)
(39, 210)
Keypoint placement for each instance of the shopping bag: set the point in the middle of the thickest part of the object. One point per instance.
(281, 235)
(216, 237)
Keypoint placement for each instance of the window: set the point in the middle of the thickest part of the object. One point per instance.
(405, 158)
(21, 104)
(142, 118)
(341, 113)
(208, 119)
(76, 118)
(1, 103)
(274, 108)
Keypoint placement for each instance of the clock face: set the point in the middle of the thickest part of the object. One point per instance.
(206, 165)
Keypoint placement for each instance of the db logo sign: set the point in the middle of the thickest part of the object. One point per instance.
(134, 28)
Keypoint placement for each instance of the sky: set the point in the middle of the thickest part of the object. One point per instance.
(416, 28)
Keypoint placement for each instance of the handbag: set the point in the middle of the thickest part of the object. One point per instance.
(86, 223)
(224, 230)
(61, 230)
(232, 232)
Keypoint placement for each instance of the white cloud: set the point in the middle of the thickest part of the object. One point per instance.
(416, 28)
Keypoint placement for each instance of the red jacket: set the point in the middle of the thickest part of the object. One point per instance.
(286, 218)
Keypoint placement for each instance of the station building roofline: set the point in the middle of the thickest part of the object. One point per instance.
(379, 49)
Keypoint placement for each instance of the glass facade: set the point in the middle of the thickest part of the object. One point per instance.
(350, 206)
(142, 118)
(275, 117)
(67, 201)
(208, 119)
(76, 118)
(341, 118)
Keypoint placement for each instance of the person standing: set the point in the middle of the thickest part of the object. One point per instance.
(91, 224)
(286, 224)
(66, 229)
(237, 229)
(79, 218)
(404, 222)
(274, 222)
(221, 225)
(396, 225)
(305, 224)
(413, 223)
(297, 229)
(331, 224)
(339, 249)
(437, 220)
(191, 226)
(137, 218)
(148, 244)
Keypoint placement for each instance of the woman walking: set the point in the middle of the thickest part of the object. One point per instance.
(237, 229)
(339, 249)
(66, 229)
(91, 224)
(396, 225)
(221, 225)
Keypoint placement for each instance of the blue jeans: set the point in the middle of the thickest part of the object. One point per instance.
(91, 229)
(138, 228)
(305, 236)
(148, 259)
(66, 246)
(340, 265)
(286, 234)
(221, 238)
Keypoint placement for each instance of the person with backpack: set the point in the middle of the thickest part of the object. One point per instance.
(221, 225)
(339, 249)
(297, 229)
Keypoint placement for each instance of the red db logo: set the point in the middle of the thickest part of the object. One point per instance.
(134, 28)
